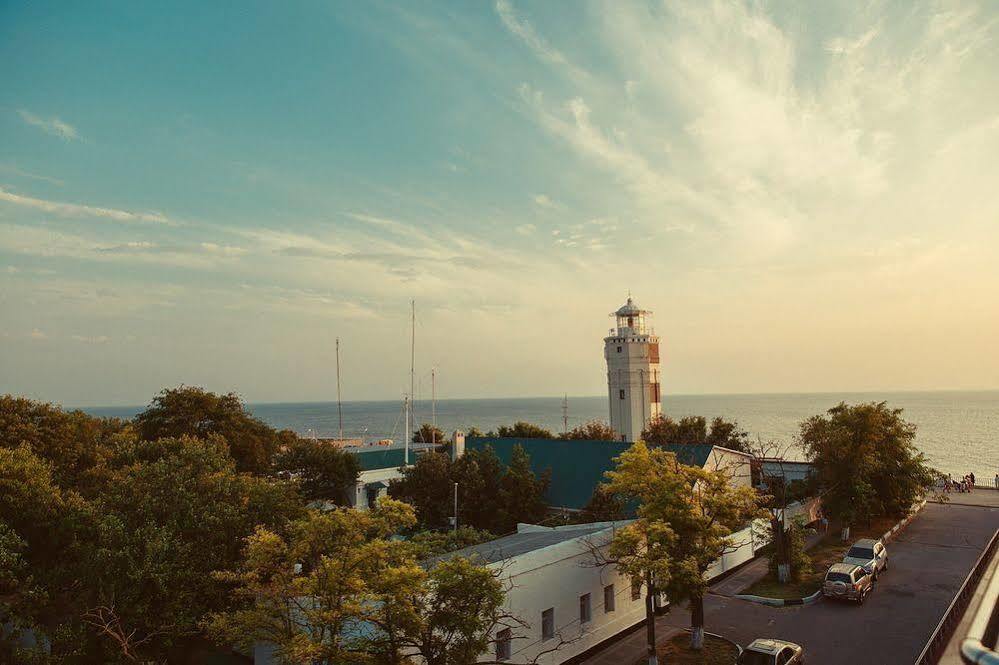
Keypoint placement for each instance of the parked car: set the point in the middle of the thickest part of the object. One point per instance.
(771, 652)
(869, 554)
(848, 581)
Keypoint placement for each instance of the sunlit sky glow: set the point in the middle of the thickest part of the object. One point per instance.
(806, 194)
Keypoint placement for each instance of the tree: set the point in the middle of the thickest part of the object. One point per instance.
(195, 412)
(323, 472)
(522, 492)
(594, 430)
(686, 516)
(523, 430)
(663, 431)
(604, 506)
(73, 443)
(865, 459)
(428, 486)
(429, 434)
(435, 543)
(310, 593)
(491, 495)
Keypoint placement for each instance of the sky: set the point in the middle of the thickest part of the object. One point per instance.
(805, 194)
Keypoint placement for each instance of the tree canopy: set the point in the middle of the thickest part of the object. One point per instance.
(323, 472)
(663, 431)
(866, 460)
(491, 496)
(594, 430)
(523, 430)
(195, 412)
(686, 516)
(430, 434)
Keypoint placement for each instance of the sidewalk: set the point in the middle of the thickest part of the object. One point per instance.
(630, 648)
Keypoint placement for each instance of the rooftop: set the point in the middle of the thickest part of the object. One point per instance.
(387, 457)
(529, 538)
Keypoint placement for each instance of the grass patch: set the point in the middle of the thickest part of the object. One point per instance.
(825, 553)
(677, 651)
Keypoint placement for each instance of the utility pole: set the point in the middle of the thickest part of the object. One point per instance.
(433, 405)
(456, 506)
(412, 368)
(565, 414)
(339, 407)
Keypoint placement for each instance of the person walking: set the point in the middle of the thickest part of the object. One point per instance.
(997, 481)
(971, 477)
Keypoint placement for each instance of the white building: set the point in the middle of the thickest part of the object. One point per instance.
(632, 354)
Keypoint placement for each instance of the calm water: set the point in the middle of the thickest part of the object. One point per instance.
(958, 431)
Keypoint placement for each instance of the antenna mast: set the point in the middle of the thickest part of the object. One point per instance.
(339, 406)
(433, 405)
(412, 370)
(565, 414)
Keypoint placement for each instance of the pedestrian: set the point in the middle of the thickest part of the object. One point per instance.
(971, 477)
(948, 483)
(997, 481)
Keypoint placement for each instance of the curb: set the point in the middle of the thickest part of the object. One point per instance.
(785, 602)
(781, 602)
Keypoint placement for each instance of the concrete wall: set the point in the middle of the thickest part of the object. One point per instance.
(358, 497)
(556, 577)
(736, 464)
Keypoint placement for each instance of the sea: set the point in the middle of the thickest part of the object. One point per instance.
(957, 431)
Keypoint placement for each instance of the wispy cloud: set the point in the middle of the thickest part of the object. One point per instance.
(53, 125)
(8, 168)
(524, 30)
(77, 210)
(545, 201)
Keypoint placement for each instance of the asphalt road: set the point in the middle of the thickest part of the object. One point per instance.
(927, 563)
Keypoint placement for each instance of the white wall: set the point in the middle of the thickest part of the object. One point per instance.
(359, 496)
(556, 577)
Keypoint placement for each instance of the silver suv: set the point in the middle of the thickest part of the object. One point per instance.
(846, 581)
(870, 555)
(772, 652)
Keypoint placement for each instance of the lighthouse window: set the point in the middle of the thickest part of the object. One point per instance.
(619, 349)
(621, 392)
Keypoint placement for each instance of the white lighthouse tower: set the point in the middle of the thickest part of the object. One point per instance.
(632, 353)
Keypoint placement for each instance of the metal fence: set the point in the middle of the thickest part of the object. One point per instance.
(945, 629)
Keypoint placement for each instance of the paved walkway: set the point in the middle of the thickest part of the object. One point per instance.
(979, 497)
(929, 560)
(629, 649)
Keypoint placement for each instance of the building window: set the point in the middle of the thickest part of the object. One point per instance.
(548, 624)
(621, 393)
(585, 613)
(636, 589)
(503, 644)
(619, 349)
(608, 598)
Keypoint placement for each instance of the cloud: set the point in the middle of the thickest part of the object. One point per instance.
(76, 210)
(53, 125)
(8, 168)
(525, 229)
(523, 29)
(545, 201)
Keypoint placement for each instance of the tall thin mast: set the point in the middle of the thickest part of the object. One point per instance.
(339, 406)
(412, 369)
(565, 414)
(433, 405)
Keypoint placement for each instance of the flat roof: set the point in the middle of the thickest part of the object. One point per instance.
(522, 542)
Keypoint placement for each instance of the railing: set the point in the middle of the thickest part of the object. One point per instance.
(945, 629)
(975, 647)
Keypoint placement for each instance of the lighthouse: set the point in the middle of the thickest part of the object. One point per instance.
(632, 353)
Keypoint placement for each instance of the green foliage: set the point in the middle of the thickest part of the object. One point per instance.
(604, 506)
(435, 543)
(866, 460)
(73, 443)
(594, 430)
(194, 412)
(523, 430)
(686, 516)
(664, 431)
(797, 556)
(491, 496)
(323, 472)
(430, 434)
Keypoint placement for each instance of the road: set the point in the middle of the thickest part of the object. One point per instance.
(928, 562)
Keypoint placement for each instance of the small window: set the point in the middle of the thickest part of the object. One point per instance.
(619, 349)
(503, 644)
(608, 598)
(621, 393)
(585, 613)
(636, 589)
(548, 624)
(784, 656)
